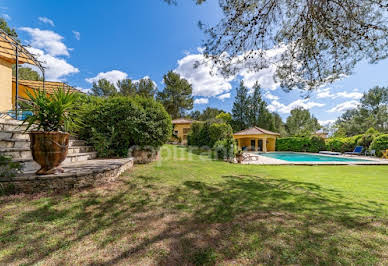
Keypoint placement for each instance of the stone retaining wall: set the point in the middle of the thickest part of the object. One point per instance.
(81, 175)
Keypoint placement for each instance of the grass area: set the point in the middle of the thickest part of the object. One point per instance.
(192, 210)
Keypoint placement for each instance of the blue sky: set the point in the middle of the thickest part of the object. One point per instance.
(81, 41)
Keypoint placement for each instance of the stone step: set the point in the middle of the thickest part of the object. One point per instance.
(6, 134)
(29, 165)
(14, 143)
(12, 127)
(25, 143)
(25, 153)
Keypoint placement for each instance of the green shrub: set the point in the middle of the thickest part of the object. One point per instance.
(115, 124)
(219, 131)
(225, 149)
(379, 144)
(300, 144)
(343, 144)
(208, 133)
(8, 168)
(367, 139)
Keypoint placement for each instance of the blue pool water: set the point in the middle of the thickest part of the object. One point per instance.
(303, 157)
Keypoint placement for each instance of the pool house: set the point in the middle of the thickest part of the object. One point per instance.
(256, 139)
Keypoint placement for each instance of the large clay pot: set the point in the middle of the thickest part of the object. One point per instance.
(49, 150)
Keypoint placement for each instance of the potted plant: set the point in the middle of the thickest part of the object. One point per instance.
(52, 118)
(239, 156)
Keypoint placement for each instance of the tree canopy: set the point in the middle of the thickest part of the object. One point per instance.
(372, 112)
(301, 123)
(176, 96)
(316, 41)
(26, 73)
(10, 31)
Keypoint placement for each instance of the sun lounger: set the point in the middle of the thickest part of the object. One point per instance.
(330, 153)
(357, 151)
(250, 157)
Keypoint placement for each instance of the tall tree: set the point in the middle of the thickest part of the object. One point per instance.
(177, 95)
(103, 88)
(4, 26)
(372, 112)
(258, 114)
(146, 87)
(320, 40)
(240, 110)
(278, 124)
(26, 73)
(127, 87)
(301, 122)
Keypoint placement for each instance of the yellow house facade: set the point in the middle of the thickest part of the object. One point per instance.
(182, 128)
(256, 139)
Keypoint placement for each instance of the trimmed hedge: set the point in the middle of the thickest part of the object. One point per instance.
(301, 144)
(379, 144)
(115, 124)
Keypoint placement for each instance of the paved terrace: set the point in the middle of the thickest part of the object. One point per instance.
(263, 160)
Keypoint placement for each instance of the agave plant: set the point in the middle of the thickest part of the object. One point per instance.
(51, 112)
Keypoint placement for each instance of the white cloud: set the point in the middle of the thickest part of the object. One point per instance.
(207, 80)
(56, 68)
(46, 21)
(352, 95)
(276, 106)
(326, 122)
(6, 16)
(265, 77)
(51, 42)
(112, 76)
(201, 101)
(204, 83)
(326, 93)
(222, 97)
(270, 96)
(344, 106)
(77, 35)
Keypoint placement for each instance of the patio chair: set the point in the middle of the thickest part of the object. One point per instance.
(357, 151)
(370, 152)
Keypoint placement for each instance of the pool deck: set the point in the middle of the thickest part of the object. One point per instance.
(263, 160)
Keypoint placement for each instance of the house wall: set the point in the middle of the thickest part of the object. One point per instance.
(5, 86)
(182, 130)
(245, 141)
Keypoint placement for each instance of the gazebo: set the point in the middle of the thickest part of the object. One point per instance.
(256, 139)
(13, 53)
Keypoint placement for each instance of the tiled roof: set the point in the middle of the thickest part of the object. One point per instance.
(255, 131)
(49, 86)
(182, 121)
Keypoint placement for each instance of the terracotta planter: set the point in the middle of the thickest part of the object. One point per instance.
(49, 150)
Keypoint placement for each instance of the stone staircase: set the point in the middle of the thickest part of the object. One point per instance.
(15, 142)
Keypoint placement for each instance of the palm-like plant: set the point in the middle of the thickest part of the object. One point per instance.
(54, 112)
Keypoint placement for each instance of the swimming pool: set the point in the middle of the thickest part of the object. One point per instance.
(305, 157)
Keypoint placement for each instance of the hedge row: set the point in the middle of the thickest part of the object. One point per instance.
(378, 143)
(300, 144)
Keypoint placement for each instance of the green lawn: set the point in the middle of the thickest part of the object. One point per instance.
(192, 210)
